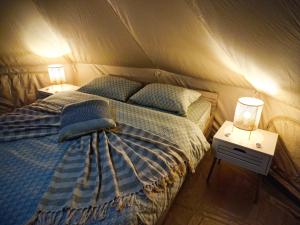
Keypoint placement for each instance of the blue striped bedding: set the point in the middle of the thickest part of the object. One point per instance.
(27, 165)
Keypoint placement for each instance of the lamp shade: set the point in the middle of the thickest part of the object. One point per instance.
(56, 73)
(247, 113)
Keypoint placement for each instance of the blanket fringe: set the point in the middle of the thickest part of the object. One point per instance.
(80, 216)
(161, 184)
(84, 215)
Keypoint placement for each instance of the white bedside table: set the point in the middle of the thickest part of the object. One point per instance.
(253, 152)
(53, 89)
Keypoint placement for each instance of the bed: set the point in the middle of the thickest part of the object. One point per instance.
(28, 164)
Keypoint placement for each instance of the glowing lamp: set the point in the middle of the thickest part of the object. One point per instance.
(56, 73)
(247, 113)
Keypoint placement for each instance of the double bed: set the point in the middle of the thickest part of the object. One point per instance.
(30, 158)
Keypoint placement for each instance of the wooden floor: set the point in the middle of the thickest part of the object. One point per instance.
(228, 199)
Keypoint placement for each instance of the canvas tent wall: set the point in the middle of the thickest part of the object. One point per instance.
(233, 47)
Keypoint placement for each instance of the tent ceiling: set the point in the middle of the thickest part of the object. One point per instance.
(95, 34)
(261, 38)
(173, 38)
(242, 43)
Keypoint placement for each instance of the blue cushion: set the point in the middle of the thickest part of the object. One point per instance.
(166, 97)
(83, 128)
(112, 87)
(85, 117)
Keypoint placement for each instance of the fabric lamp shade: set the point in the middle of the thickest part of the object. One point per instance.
(247, 113)
(56, 73)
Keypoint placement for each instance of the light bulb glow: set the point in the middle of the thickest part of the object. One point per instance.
(240, 64)
(247, 115)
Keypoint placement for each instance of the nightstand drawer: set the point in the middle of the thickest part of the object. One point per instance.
(247, 158)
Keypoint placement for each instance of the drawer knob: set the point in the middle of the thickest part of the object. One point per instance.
(227, 134)
(258, 145)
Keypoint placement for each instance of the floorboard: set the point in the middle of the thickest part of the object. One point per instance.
(229, 199)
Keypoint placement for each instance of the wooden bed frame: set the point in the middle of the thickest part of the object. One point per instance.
(211, 97)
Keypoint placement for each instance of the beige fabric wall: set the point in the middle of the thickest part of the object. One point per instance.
(259, 40)
(233, 47)
(252, 44)
(19, 85)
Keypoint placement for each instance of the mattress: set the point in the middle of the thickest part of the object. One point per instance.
(199, 113)
(27, 165)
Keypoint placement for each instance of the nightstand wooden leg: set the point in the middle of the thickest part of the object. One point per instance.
(260, 180)
(211, 169)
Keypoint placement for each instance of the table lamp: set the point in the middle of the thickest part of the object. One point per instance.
(56, 73)
(246, 118)
(57, 76)
(247, 113)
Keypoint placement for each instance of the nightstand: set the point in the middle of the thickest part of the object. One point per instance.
(253, 151)
(53, 89)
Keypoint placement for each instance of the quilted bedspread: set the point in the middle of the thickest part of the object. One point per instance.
(31, 157)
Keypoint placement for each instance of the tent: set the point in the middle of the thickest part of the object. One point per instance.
(235, 48)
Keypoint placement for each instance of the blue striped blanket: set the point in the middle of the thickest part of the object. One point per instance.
(35, 120)
(98, 171)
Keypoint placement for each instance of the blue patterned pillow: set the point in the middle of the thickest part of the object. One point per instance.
(85, 117)
(112, 87)
(166, 97)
